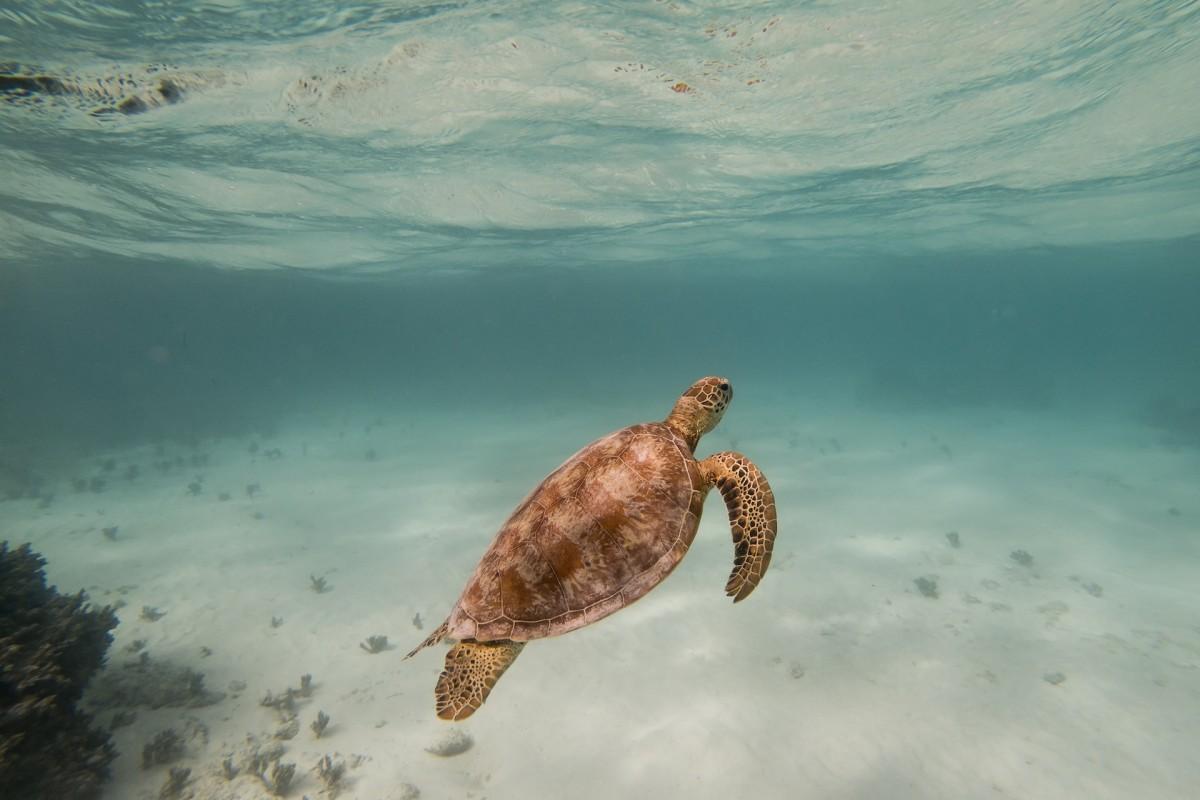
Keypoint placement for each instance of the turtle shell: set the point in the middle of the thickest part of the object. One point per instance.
(598, 533)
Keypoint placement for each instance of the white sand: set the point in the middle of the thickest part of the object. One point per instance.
(836, 679)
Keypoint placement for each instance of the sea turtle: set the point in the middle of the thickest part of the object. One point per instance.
(598, 533)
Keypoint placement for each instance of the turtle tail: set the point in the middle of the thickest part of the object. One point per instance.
(431, 639)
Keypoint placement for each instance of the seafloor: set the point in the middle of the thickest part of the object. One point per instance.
(985, 604)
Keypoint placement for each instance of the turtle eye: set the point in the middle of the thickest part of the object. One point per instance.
(724, 387)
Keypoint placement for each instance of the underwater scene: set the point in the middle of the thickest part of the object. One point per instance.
(654, 399)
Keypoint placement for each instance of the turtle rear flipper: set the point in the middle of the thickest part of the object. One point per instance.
(472, 669)
(431, 639)
(751, 507)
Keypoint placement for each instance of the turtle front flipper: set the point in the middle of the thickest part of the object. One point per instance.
(472, 669)
(751, 516)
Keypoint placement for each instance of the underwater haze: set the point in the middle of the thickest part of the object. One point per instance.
(298, 301)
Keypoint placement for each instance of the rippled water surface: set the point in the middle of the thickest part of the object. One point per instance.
(403, 136)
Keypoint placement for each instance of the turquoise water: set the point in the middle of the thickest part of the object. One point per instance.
(947, 254)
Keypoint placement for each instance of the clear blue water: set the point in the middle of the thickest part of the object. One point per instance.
(516, 225)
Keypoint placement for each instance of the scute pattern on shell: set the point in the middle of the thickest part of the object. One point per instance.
(598, 533)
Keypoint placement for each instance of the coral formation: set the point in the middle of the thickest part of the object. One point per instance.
(374, 644)
(280, 777)
(288, 730)
(1021, 557)
(151, 683)
(318, 585)
(261, 762)
(50, 646)
(927, 586)
(284, 702)
(165, 747)
(320, 724)
(332, 773)
(122, 719)
(176, 780)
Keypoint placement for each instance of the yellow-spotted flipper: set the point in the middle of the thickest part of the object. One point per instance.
(751, 507)
(472, 669)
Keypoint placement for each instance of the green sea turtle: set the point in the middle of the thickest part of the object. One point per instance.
(598, 533)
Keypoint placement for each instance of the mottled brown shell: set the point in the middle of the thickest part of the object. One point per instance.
(598, 533)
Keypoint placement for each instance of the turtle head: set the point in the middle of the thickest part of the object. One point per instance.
(700, 408)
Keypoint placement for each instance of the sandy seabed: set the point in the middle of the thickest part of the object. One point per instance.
(1075, 675)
